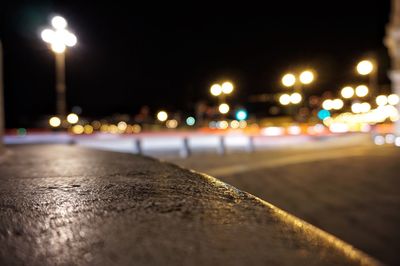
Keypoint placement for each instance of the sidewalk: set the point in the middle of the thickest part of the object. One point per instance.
(67, 205)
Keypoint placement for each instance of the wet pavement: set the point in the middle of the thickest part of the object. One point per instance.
(351, 191)
(62, 205)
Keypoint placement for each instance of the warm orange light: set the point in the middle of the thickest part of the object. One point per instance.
(172, 123)
(78, 129)
(88, 129)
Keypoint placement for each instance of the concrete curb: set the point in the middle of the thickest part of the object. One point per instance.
(347, 249)
(62, 204)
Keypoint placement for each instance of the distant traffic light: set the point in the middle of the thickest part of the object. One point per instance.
(241, 114)
(322, 114)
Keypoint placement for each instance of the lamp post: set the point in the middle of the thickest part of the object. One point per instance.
(1, 100)
(392, 42)
(289, 80)
(221, 91)
(369, 67)
(58, 39)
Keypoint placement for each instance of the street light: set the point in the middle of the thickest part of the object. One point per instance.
(284, 99)
(356, 108)
(369, 67)
(327, 104)
(288, 80)
(347, 92)
(227, 87)
(381, 100)
(337, 104)
(393, 99)
(72, 118)
(362, 91)
(54, 121)
(59, 38)
(223, 108)
(332, 104)
(365, 107)
(306, 77)
(365, 67)
(220, 91)
(295, 98)
(162, 116)
(216, 90)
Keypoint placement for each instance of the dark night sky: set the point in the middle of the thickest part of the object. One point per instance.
(168, 57)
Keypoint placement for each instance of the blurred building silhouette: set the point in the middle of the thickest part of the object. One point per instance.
(392, 42)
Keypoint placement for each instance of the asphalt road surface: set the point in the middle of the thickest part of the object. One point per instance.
(351, 191)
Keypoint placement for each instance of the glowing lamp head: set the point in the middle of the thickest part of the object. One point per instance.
(295, 98)
(54, 121)
(69, 39)
(59, 37)
(284, 99)
(393, 99)
(227, 87)
(58, 22)
(347, 92)
(362, 91)
(356, 108)
(216, 90)
(48, 35)
(288, 80)
(365, 107)
(337, 104)
(306, 77)
(365, 67)
(223, 108)
(381, 100)
(162, 116)
(327, 104)
(72, 118)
